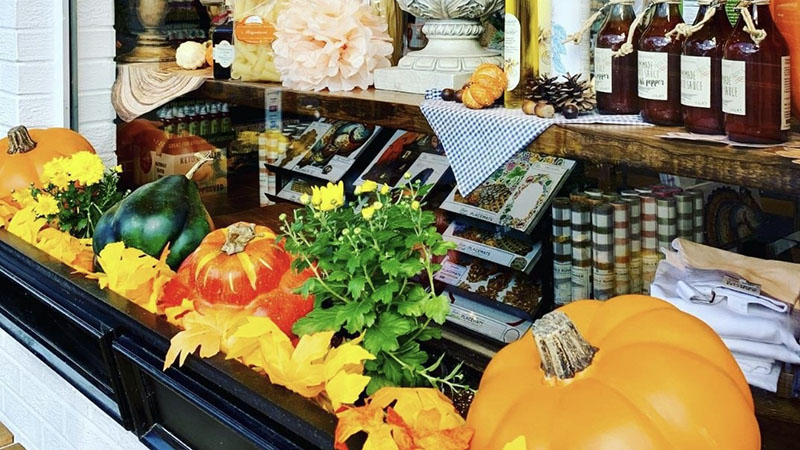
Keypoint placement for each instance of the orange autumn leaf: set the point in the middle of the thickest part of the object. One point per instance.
(175, 314)
(132, 274)
(369, 419)
(420, 419)
(76, 253)
(206, 333)
(7, 211)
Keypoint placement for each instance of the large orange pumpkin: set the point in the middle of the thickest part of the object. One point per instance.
(24, 153)
(231, 267)
(633, 372)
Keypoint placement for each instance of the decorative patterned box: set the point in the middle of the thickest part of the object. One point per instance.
(495, 244)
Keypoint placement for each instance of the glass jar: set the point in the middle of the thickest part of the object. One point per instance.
(701, 71)
(756, 80)
(616, 78)
(660, 66)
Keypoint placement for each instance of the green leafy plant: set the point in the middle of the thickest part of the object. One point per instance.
(367, 258)
(78, 190)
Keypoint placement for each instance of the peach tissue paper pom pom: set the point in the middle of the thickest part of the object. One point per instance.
(334, 44)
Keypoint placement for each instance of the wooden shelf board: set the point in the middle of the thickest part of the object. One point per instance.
(635, 147)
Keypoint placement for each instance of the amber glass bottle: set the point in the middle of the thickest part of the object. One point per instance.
(660, 66)
(616, 78)
(701, 71)
(756, 80)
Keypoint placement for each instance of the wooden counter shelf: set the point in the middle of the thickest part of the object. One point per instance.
(635, 147)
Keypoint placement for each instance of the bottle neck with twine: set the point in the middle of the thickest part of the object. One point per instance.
(684, 30)
(577, 37)
(627, 48)
(757, 35)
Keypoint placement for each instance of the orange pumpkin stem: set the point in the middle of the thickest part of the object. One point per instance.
(238, 236)
(562, 349)
(20, 141)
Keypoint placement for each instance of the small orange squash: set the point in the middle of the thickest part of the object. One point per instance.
(633, 372)
(485, 86)
(24, 153)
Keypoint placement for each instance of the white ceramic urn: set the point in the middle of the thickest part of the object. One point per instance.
(453, 52)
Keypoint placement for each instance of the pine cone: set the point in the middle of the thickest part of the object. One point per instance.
(570, 91)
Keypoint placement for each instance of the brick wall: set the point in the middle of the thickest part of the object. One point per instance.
(33, 67)
(46, 413)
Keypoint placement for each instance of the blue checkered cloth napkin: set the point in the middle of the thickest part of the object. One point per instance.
(478, 142)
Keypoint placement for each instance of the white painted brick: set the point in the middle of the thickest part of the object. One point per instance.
(26, 45)
(27, 78)
(34, 111)
(29, 13)
(95, 106)
(103, 137)
(97, 43)
(95, 13)
(96, 74)
(49, 414)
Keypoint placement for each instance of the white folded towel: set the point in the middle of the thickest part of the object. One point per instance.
(733, 314)
(771, 352)
(759, 372)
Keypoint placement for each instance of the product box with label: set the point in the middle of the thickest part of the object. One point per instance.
(495, 244)
(211, 178)
(485, 320)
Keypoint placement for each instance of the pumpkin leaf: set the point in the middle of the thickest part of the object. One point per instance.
(207, 332)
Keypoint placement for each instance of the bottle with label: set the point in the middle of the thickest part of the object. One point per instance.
(193, 119)
(224, 51)
(569, 16)
(756, 79)
(521, 49)
(616, 77)
(787, 16)
(660, 66)
(214, 119)
(169, 122)
(181, 126)
(701, 69)
(225, 122)
(544, 17)
(205, 123)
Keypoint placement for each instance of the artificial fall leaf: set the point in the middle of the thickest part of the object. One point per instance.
(175, 314)
(245, 343)
(76, 253)
(7, 211)
(207, 331)
(25, 225)
(520, 443)
(410, 402)
(133, 274)
(369, 419)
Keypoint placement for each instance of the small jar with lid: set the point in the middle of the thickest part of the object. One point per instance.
(756, 78)
(701, 68)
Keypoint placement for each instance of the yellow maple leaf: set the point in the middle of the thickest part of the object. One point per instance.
(64, 247)
(369, 419)
(245, 343)
(7, 211)
(133, 274)
(25, 225)
(207, 332)
(345, 388)
(520, 443)
(409, 402)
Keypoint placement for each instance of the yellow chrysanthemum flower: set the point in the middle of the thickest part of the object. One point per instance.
(118, 168)
(45, 205)
(23, 198)
(415, 205)
(330, 196)
(55, 172)
(377, 206)
(305, 198)
(385, 189)
(86, 168)
(368, 186)
(368, 212)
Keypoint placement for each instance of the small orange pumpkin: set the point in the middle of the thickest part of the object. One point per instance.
(633, 372)
(231, 267)
(209, 54)
(485, 86)
(24, 153)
